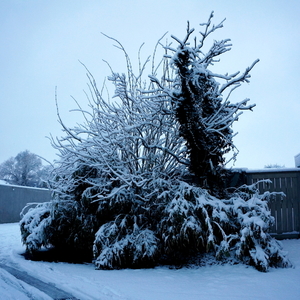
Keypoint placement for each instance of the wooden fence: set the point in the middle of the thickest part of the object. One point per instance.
(14, 198)
(286, 210)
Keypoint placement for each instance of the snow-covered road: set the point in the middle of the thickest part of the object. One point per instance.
(85, 283)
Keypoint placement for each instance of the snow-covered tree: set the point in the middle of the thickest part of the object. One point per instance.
(205, 117)
(25, 169)
(140, 182)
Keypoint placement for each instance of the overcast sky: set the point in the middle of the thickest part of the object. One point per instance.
(42, 42)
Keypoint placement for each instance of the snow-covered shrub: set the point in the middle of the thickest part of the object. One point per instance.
(115, 249)
(122, 189)
(238, 227)
(61, 224)
(34, 226)
(255, 245)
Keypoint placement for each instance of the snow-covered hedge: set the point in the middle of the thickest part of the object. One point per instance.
(120, 189)
(185, 221)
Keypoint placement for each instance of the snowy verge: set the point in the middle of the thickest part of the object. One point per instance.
(12, 288)
(211, 282)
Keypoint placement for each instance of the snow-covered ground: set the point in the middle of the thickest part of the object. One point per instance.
(84, 282)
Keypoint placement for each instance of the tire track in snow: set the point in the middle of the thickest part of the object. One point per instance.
(47, 288)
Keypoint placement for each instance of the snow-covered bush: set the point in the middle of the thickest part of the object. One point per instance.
(196, 222)
(62, 224)
(122, 189)
(34, 226)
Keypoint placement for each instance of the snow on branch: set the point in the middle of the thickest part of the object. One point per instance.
(236, 80)
(197, 97)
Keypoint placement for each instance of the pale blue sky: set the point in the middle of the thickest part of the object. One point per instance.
(42, 41)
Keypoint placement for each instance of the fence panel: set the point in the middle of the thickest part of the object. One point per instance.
(14, 198)
(286, 210)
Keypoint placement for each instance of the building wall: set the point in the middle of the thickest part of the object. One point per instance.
(297, 161)
(14, 198)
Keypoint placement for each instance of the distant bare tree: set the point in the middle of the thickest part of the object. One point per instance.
(25, 169)
(274, 166)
